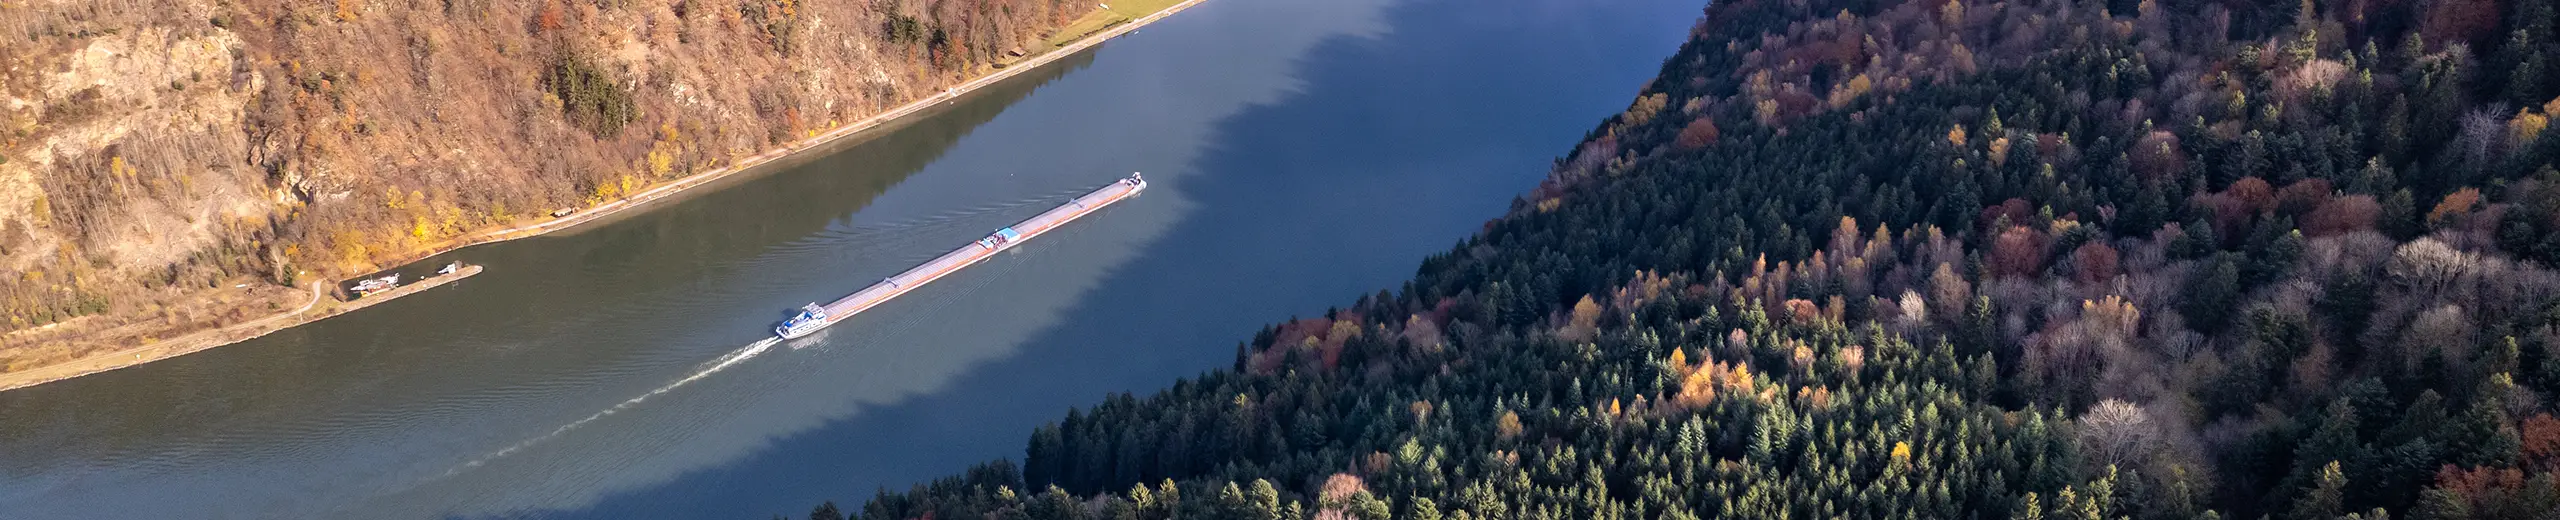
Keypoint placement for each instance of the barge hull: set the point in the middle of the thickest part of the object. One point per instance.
(979, 251)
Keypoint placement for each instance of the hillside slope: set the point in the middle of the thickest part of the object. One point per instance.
(1936, 259)
(159, 153)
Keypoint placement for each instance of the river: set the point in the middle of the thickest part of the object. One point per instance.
(1303, 153)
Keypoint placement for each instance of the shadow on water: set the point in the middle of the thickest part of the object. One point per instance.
(367, 383)
(793, 197)
(1375, 163)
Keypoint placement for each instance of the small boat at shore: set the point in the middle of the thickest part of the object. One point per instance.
(371, 286)
(375, 285)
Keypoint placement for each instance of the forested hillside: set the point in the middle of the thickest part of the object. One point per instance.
(2164, 260)
(156, 153)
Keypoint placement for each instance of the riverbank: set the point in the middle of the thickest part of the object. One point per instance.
(670, 188)
(1113, 22)
(314, 310)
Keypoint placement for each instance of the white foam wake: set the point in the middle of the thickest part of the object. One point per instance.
(712, 367)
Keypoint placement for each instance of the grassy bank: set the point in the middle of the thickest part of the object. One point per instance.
(318, 307)
(1113, 14)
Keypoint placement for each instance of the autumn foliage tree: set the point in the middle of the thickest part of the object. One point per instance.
(2018, 251)
(1697, 134)
(2037, 265)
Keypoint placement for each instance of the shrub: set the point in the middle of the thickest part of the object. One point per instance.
(592, 98)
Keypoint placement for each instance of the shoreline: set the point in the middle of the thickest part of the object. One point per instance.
(234, 333)
(682, 184)
(207, 339)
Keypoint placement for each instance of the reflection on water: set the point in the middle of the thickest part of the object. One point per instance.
(1304, 152)
(376, 401)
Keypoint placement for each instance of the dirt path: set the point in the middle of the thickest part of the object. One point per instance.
(244, 331)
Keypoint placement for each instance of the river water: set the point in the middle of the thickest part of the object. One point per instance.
(1303, 153)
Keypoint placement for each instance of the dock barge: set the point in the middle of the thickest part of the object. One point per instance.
(814, 316)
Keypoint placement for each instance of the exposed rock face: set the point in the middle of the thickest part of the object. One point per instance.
(158, 146)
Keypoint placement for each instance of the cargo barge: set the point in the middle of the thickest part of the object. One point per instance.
(814, 316)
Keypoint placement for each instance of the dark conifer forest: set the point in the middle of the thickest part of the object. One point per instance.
(2155, 260)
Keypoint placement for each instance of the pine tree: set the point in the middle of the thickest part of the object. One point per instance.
(1692, 440)
(2400, 215)
(2211, 293)
(2443, 504)
(1265, 500)
(2326, 499)
(2395, 129)
(1423, 509)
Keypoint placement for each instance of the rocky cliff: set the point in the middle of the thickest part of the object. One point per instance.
(172, 162)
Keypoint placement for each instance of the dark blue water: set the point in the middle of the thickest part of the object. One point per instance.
(1303, 153)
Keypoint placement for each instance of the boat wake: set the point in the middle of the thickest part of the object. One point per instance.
(712, 367)
(1002, 241)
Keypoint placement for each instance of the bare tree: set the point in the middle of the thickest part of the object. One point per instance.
(2117, 433)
